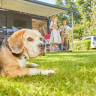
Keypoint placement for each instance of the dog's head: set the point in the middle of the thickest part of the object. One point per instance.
(28, 41)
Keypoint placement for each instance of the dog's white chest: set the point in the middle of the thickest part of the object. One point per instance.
(22, 62)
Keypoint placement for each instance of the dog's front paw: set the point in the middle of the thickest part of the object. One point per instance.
(47, 72)
(32, 65)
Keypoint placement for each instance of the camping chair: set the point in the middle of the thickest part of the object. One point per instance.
(47, 38)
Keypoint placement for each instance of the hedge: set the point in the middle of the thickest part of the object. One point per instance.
(82, 45)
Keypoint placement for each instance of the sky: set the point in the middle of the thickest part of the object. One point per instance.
(48, 1)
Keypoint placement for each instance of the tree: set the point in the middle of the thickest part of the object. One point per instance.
(67, 15)
(93, 15)
(84, 16)
(59, 2)
(92, 29)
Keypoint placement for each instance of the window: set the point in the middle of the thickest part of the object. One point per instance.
(2, 19)
(20, 23)
(40, 25)
(94, 38)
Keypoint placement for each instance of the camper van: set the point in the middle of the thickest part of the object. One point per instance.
(30, 14)
(11, 20)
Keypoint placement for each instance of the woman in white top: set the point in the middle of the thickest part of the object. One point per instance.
(55, 35)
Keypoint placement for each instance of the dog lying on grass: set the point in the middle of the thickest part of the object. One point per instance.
(25, 43)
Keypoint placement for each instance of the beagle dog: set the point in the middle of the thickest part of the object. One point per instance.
(25, 43)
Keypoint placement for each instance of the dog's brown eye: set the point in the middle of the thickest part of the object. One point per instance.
(29, 39)
(41, 39)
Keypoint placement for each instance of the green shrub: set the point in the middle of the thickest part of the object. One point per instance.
(82, 45)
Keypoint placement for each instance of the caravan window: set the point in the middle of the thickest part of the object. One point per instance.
(94, 38)
(40, 25)
(19, 23)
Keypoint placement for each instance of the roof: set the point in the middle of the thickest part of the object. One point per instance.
(33, 7)
(89, 37)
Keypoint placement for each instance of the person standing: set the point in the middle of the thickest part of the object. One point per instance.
(55, 35)
(64, 29)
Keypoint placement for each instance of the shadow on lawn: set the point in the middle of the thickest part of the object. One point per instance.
(74, 52)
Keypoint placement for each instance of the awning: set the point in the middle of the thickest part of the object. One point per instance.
(33, 7)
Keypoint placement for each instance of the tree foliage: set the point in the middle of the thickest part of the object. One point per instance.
(93, 16)
(84, 16)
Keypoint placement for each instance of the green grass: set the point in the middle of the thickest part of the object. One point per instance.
(75, 76)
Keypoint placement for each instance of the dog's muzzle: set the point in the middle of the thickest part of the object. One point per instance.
(41, 46)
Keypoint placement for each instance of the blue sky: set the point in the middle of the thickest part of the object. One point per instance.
(48, 1)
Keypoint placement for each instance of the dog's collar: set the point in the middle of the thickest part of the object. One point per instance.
(25, 55)
(7, 44)
(0, 70)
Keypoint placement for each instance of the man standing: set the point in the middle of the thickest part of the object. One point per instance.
(64, 29)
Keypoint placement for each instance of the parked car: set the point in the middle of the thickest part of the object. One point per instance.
(93, 41)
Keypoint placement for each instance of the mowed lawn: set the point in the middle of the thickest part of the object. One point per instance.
(75, 76)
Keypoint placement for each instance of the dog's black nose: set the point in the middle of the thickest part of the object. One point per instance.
(41, 45)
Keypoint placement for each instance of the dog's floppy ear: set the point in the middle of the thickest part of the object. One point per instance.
(16, 42)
